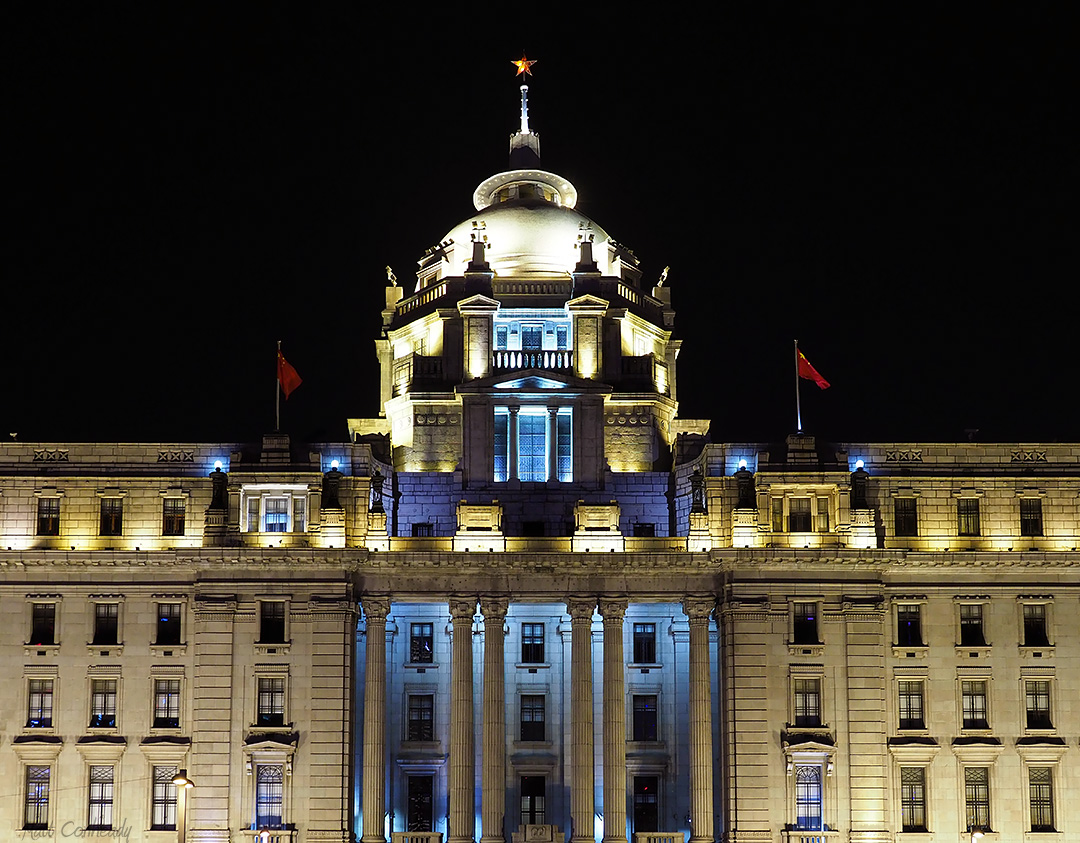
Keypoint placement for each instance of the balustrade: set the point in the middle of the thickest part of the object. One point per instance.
(549, 360)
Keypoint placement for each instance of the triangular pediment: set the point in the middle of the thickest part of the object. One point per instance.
(533, 381)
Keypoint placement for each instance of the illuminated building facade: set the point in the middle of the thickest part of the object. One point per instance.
(529, 601)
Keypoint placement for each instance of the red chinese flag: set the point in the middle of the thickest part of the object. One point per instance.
(287, 376)
(809, 373)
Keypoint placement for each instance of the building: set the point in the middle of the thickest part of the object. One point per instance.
(530, 601)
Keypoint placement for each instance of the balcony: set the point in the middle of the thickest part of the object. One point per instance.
(275, 835)
(810, 836)
(417, 373)
(552, 361)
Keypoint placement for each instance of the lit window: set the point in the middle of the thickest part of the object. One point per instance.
(166, 703)
(967, 517)
(971, 625)
(808, 797)
(644, 643)
(103, 704)
(1041, 797)
(173, 511)
(910, 707)
(1035, 634)
(421, 643)
(43, 624)
(799, 515)
(532, 717)
(821, 515)
(807, 702)
(906, 517)
(36, 808)
(100, 801)
(805, 629)
(645, 717)
(532, 643)
(277, 515)
(271, 622)
(909, 626)
(977, 797)
(48, 516)
(538, 438)
(106, 623)
(271, 701)
(168, 624)
(269, 796)
(1031, 519)
(1037, 704)
(532, 800)
(973, 704)
(112, 516)
(912, 799)
(299, 514)
(280, 512)
(532, 447)
(39, 709)
(421, 725)
(778, 515)
(163, 799)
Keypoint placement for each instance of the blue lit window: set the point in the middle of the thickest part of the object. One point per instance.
(538, 437)
(808, 798)
(532, 445)
(277, 515)
(502, 441)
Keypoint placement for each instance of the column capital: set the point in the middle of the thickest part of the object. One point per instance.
(375, 608)
(699, 607)
(581, 608)
(462, 607)
(494, 608)
(612, 609)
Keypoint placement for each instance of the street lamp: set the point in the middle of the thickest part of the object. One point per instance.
(975, 833)
(182, 783)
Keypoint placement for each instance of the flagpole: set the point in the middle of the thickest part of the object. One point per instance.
(798, 405)
(277, 398)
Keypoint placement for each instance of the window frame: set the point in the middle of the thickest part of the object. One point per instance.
(267, 794)
(47, 524)
(1043, 608)
(34, 604)
(968, 516)
(111, 515)
(95, 607)
(806, 699)
(254, 508)
(1046, 803)
(918, 804)
(908, 607)
(164, 796)
(156, 707)
(910, 724)
(173, 524)
(272, 701)
(801, 625)
(159, 623)
(553, 423)
(424, 709)
(104, 704)
(971, 606)
(813, 824)
(1043, 699)
(643, 717)
(1032, 524)
(530, 704)
(37, 809)
(419, 632)
(972, 724)
(903, 528)
(30, 708)
(533, 643)
(270, 625)
(973, 819)
(644, 642)
(105, 801)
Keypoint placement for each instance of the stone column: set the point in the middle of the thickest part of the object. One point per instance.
(512, 445)
(553, 443)
(614, 721)
(374, 806)
(582, 785)
(462, 751)
(698, 609)
(493, 797)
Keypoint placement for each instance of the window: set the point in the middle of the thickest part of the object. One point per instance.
(420, 798)
(808, 797)
(36, 808)
(168, 624)
(646, 804)
(645, 717)
(912, 799)
(644, 530)
(532, 800)
(971, 625)
(112, 516)
(807, 702)
(103, 704)
(967, 517)
(501, 334)
(166, 703)
(821, 515)
(906, 517)
(973, 704)
(909, 626)
(280, 511)
(532, 643)
(43, 624)
(269, 796)
(299, 514)
(532, 717)
(173, 511)
(277, 515)
(253, 522)
(48, 516)
(1035, 634)
(271, 622)
(1041, 798)
(532, 447)
(910, 707)
(423, 530)
(100, 801)
(421, 643)
(421, 725)
(778, 515)
(799, 515)
(1031, 522)
(644, 643)
(543, 445)
(39, 709)
(270, 709)
(977, 797)
(1037, 704)
(805, 629)
(106, 623)
(562, 333)
(163, 799)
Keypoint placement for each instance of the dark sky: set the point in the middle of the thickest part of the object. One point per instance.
(185, 188)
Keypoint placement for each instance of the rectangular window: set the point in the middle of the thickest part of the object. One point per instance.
(501, 334)
(906, 517)
(106, 623)
(421, 643)
(112, 516)
(271, 622)
(100, 801)
(277, 515)
(971, 625)
(563, 446)
(532, 643)
(645, 717)
(299, 514)
(168, 624)
(821, 515)
(967, 517)
(532, 446)
(644, 530)
(502, 446)
(421, 800)
(977, 797)
(103, 704)
(1037, 704)
(39, 709)
(1041, 797)
(421, 725)
(646, 804)
(271, 705)
(562, 333)
(644, 643)
(973, 704)
(269, 796)
(912, 799)
(799, 515)
(1031, 522)
(36, 809)
(253, 515)
(166, 703)
(910, 704)
(163, 799)
(423, 530)
(778, 515)
(532, 717)
(909, 626)
(173, 511)
(1035, 625)
(48, 516)
(532, 800)
(807, 702)
(805, 629)
(43, 624)
(808, 797)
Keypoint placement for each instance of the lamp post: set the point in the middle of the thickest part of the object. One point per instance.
(183, 783)
(975, 833)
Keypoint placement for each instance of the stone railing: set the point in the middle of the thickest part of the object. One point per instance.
(810, 836)
(416, 837)
(561, 287)
(502, 361)
(267, 835)
(659, 837)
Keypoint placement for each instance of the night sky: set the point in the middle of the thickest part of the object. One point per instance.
(185, 188)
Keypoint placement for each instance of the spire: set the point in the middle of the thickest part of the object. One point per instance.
(524, 109)
(524, 145)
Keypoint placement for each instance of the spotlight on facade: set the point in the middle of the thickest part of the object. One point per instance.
(742, 464)
(858, 464)
(218, 464)
(334, 464)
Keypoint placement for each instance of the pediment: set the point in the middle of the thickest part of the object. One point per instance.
(532, 381)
